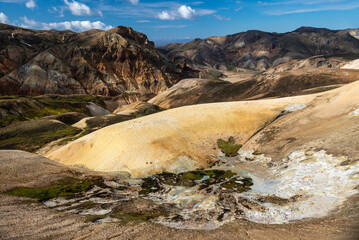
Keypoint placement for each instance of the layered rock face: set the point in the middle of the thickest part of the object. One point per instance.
(95, 62)
(261, 50)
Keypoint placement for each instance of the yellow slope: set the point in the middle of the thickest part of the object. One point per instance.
(174, 140)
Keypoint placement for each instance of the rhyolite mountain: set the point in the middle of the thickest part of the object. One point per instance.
(261, 50)
(96, 62)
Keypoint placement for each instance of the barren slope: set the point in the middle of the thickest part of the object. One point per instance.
(175, 140)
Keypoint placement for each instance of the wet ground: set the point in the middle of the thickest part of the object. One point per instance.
(249, 186)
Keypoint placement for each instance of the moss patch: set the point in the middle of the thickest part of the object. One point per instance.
(15, 109)
(32, 135)
(67, 187)
(238, 184)
(94, 218)
(229, 148)
(139, 210)
(202, 178)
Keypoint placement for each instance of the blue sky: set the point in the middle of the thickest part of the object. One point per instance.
(181, 19)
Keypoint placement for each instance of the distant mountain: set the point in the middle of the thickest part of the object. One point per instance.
(162, 42)
(261, 50)
(96, 62)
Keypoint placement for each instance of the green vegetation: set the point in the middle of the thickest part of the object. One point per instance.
(148, 111)
(103, 121)
(32, 135)
(203, 178)
(94, 218)
(238, 185)
(256, 152)
(71, 139)
(229, 148)
(15, 109)
(67, 187)
(231, 68)
(214, 75)
(150, 185)
(133, 210)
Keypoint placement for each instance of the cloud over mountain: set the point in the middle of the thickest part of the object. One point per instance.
(183, 12)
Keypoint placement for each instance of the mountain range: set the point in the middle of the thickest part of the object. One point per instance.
(262, 50)
(124, 62)
(95, 62)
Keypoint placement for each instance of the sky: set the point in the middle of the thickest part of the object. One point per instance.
(163, 20)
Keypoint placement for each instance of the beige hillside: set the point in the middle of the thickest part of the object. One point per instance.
(175, 140)
(330, 122)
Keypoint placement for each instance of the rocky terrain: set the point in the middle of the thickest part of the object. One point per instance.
(96, 62)
(276, 167)
(260, 141)
(270, 84)
(262, 50)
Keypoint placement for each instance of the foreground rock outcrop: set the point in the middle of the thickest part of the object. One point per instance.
(22, 217)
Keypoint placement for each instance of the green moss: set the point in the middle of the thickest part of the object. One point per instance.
(148, 111)
(231, 68)
(187, 179)
(256, 152)
(71, 139)
(20, 109)
(67, 187)
(139, 210)
(229, 148)
(238, 184)
(150, 185)
(35, 140)
(215, 75)
(103, 121)
(94, 218)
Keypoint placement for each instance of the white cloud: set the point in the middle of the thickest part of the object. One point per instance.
(183, 12)
(3, 18)
(318, 9)
(187, 12)
(78, 9)
(79, 26)
(30, 4)
(221, 18)
(165, 15)
(29, 23)
(134, 2)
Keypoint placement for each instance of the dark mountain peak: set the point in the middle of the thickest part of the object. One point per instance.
(93, 62)
(305, 29)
